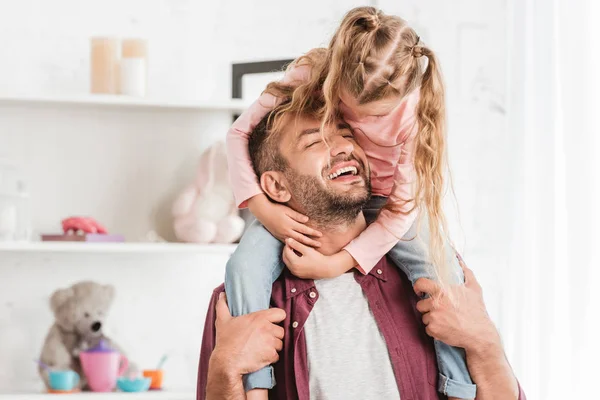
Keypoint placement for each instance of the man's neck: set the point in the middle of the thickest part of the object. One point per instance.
(336, 237)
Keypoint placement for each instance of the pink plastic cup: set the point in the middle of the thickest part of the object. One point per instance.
(102, 369)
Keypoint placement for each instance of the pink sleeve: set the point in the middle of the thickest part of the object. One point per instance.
(383, 234)
(241, 174)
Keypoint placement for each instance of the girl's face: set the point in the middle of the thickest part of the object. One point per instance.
(353, 111)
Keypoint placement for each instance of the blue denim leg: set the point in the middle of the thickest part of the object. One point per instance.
(249, 276)
(410, 255)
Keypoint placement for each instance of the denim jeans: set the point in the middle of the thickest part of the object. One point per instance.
(249, 276)
(256, 264)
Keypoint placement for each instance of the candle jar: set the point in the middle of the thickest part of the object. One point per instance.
(104, 65)
(15, 209)
(134, 64)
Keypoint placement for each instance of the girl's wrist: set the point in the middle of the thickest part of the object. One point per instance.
(255, 203)
(343, 262)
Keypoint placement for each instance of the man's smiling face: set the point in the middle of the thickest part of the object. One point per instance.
(327, 173)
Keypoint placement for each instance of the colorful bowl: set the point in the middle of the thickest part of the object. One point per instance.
(157, 377)
(133, 385)
(63, 381)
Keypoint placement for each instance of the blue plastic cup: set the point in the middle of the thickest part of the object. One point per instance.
(63, 380)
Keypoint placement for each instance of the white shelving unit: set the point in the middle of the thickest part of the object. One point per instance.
(106, 100)
(116, 248)
(53, 265)
(150, 395)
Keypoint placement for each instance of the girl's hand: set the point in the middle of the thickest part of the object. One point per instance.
(283, 222)
(308, 263)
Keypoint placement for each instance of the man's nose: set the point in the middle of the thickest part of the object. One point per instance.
(341, 145)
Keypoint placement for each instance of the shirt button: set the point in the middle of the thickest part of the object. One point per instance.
(295, 324)
(379, 271)
(312, 295)
(293, 290)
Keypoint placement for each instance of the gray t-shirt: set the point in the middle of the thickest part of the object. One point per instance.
(347, 355)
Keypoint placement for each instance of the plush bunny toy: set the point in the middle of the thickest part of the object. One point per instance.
(206, 212)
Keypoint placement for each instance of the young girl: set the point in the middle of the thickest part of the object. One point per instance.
(372, 74)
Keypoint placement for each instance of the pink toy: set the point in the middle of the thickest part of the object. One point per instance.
(102, 366)
(85, 224)
(206, 212)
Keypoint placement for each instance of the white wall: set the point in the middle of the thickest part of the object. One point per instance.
(470, 38)
(191, 43)
(146, 156)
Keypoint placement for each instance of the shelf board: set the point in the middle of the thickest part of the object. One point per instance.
(110, 248)
(150, 395)
(108, 100)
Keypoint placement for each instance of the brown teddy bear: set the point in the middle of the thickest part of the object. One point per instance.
(79, 312)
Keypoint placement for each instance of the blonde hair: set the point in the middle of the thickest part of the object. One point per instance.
(373, 56)
(299, 98)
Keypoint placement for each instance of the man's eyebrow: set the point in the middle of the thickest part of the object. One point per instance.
(309, 131)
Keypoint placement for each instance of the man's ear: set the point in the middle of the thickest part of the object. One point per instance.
(274, 185)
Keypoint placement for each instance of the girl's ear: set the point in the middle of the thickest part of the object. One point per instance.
(274, 185)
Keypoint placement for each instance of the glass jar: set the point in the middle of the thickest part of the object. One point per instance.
(15, 207)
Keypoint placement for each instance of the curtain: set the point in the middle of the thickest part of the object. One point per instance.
(551, 302)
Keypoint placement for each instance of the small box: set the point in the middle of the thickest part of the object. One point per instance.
(88, 237)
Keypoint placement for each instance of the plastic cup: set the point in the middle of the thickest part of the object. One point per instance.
(157, 377)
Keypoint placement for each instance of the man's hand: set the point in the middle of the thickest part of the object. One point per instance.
(467, 324)
(462, 322)
(242, 345)
(308, 263)
(247, 343)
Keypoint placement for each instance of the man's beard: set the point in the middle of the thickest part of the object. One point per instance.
(325, 207)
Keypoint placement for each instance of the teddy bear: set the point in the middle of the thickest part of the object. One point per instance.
(79, 313)
(206, 211)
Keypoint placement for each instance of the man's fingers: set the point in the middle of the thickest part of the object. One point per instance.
(307, 230)
(427, 319)
(277, 331)
(222, 309)
(425, 305)
(424, 285)
(278, 344)
(296, 216)
(274, 358)
(299, 237)
(470, 279)
(273, 315)
(296, 245)
(429, 331)
(463, 266)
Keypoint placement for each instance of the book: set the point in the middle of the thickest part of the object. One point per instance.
(88, 237)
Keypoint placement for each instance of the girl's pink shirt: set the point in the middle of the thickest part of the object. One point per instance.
(388, 143)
